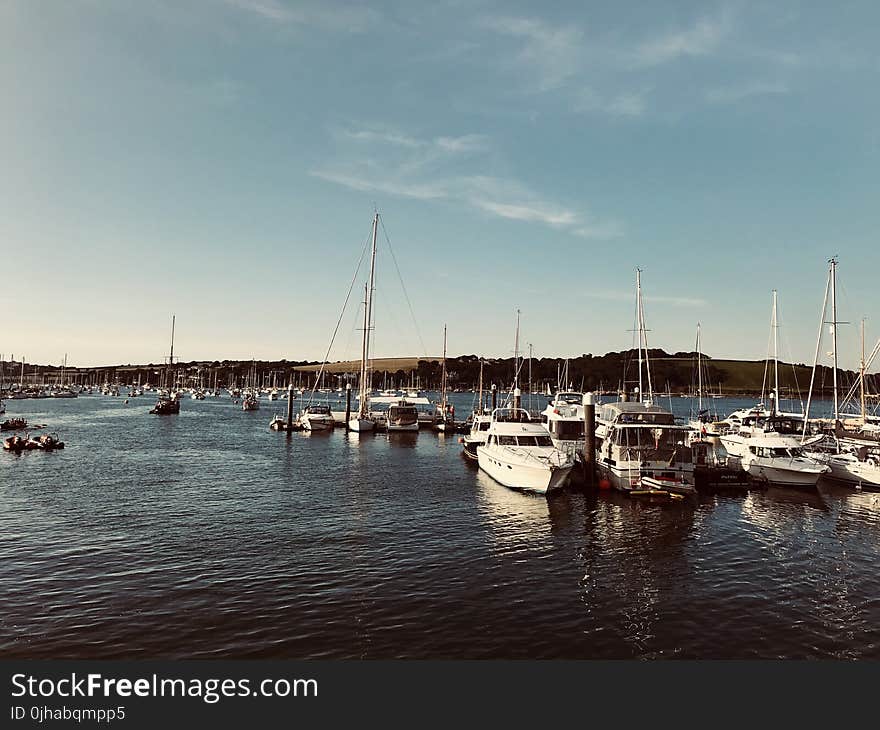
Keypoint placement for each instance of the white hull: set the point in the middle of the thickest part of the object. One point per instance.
(852, 471)
(541, 478)
(361, 425)
(626, 476)
(782, 475)
(403, 427)
(316, 423)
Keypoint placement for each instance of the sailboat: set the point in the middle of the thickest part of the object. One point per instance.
(445, 423)
(766, 440)
(168, 403)
(361, 421)
(852, 458)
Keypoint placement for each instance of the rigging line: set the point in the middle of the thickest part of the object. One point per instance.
(339, 321)
(403, 286)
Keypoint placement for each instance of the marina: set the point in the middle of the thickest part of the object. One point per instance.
(210, 535)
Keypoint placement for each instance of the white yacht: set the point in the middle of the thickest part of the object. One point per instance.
(316, 417)
(519, 453)
(639, 444)
(362, 421)
(478, 434)
(636, 440)
(780, 460)
(564, 418)
(403, 416)
(858, 465)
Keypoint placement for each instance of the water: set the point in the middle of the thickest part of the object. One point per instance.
(206, 535)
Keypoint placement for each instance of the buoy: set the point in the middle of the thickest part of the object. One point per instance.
(604, 484)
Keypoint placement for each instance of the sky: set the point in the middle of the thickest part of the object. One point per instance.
(221, 160)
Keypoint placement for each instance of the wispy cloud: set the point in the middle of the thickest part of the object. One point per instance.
(700, 39)
(420, 174)
(627, 104)
(737, 92)
(550, 52)
(626, 296)
(388, 135)
(350, 18)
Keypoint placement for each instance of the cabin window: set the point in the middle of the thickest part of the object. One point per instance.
(484, 426)
(507, 440)
(543, 441)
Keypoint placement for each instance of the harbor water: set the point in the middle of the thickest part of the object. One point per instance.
(206, 535)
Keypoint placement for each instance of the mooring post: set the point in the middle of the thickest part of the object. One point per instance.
(517, 398)
(347, 406)
(494, 396)
(589, 455)
(290, 408)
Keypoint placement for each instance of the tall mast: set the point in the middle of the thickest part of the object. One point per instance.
(775, 326)
(363, 375)
(481, 386)
(171, 355)
(862, 372)
(516, 353)
(370, 291)
(443, 377)
(833, 262)
(639, 325)
(699, 372)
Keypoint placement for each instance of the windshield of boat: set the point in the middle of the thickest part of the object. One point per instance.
(573, 399)
(525, 441)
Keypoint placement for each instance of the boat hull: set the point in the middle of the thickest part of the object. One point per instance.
(780, 476)
(361, 425)
(533, 478)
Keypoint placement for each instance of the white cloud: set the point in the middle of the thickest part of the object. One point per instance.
(701, 39)
(627, 104)
(345, 18)
(550, 52)
(409, 177)
(738, 92)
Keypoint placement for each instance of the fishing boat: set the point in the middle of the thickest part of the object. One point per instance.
(519, 453)
(250, 402)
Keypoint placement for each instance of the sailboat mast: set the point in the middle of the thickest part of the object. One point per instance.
(481, 385)
(833, 263)
(862, 372)
(639, 325)
(443, 376)
(775, 326)
(699, 371)
(370, 291)
(516, 354)
(362, 397)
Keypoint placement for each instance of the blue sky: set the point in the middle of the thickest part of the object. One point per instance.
(221, 159)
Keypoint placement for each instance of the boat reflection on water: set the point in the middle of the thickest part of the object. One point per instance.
(517, 521)
(403, 439)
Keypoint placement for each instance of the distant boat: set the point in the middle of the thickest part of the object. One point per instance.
(168, 403)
